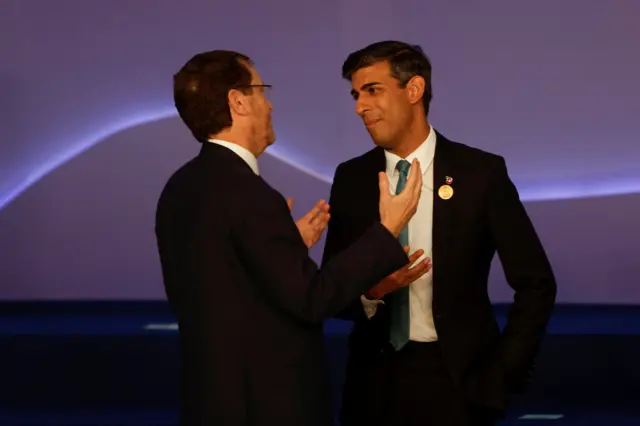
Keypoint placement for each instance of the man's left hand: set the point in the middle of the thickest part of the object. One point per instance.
(312, 224)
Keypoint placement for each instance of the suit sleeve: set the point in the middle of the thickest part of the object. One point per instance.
(338, 238)
(274, 254)
(527, 271)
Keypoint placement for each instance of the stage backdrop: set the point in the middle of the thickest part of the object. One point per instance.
(89, 134)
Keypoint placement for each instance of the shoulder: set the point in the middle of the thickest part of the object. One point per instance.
(254, 196)
(179, 180)
(363, 162)
(477, 162)
(469, 154)
(487, 171)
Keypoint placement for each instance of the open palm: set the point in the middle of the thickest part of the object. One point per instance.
(312, 224)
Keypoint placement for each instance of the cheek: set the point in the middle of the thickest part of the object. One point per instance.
(400, 113)
(393, 115)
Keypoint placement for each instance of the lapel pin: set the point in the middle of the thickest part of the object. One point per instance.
(445, 192)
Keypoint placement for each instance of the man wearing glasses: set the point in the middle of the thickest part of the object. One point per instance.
(248, 299)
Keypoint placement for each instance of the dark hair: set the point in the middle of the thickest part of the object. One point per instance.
(405, 61)
(201, 88)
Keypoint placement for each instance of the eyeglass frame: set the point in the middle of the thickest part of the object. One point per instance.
(250, 86)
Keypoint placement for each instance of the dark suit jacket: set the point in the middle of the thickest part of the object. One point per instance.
(248, 299)
(484, 215)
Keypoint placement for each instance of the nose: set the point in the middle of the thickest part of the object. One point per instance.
(361, 106)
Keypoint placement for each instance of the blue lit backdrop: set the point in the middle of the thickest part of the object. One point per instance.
(550, 86)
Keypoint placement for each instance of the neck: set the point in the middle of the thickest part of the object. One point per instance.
(237, 137)
(412, 139)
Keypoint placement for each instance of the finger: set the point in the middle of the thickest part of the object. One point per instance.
(415, 177)
(415, 165)
(406, 249)
(418, 187)
(290, 203)
(311, 214)
(413, 181)
(325, 219)
(415, 256)
(321, 221)
(322, 218)
(412, 260)
(383, 183)
(413, 276)
(426, 262)
(419, 270)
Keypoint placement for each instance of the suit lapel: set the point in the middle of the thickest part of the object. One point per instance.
(443, 210)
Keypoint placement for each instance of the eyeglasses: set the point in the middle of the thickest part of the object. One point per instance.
(266, 88)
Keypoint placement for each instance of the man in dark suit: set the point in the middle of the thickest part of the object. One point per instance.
(248, 299)
(432, 352)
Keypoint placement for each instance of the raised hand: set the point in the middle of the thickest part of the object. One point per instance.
(312, 224)
(397, 210)
(402, 277)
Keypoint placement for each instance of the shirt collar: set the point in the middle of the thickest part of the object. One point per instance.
(424, 153)
(242, 152)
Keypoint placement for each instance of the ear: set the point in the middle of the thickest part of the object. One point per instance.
(238, 102)
(415, 89)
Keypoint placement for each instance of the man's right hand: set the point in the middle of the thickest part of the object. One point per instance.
(402, 277)
(397, 210)
(312, 224)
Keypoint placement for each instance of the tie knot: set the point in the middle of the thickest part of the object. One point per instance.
(403, 166)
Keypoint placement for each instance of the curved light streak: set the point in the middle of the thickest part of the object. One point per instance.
(584, 188)
(78, 148)
(105, 133)
(568, 190)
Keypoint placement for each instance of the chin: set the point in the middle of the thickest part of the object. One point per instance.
(381, 143)
(380, 140)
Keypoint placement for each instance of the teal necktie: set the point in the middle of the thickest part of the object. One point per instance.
(399, 332)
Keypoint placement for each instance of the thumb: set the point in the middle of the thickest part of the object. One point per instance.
(290, 203)
(383, 183)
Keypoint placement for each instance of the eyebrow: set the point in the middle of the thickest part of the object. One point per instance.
(365, 87)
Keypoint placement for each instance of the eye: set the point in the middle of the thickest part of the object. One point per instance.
(372, 90)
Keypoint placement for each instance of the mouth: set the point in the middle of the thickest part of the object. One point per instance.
(371, 123)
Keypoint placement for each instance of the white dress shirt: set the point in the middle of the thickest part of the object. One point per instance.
(422, 328)
(242, 152)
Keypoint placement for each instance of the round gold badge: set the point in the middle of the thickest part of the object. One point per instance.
(445, 192)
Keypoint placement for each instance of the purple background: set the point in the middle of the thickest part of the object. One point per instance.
(90, 134)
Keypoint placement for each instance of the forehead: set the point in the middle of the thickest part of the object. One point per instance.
(376, 73)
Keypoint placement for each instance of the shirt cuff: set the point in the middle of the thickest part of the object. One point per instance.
(370, 306)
